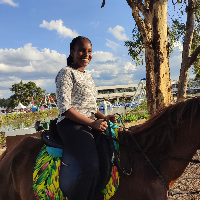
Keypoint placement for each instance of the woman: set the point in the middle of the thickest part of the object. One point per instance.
(76, 99)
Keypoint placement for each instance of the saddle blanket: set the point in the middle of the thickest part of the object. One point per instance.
(47, 168)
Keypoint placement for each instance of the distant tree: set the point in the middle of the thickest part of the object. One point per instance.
(24, 92)
(7, 103)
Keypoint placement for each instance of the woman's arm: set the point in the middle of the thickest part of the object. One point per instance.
(72, 114)
(100, 115)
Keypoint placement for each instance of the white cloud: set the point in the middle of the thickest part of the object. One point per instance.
(95, 24)
(129, 67)
(118, 80)
(41, 66)
(118, 33)
(94, 73)
(10, 2)
(57, 25)
(179, 45)
(5, 94)
(30, 59)
(8, 81)
(103, 56)
(44, 82)
(11, 69)
(112, 45)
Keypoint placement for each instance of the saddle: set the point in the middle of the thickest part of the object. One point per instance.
(51, 138)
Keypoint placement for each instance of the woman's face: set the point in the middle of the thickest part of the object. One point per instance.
(82, 53)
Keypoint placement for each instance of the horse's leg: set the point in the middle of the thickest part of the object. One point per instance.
(26, 181)
(16, 170)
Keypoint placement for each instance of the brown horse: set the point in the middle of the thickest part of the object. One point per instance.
(169, 139)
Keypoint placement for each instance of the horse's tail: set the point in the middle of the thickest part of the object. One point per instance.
(2, 155)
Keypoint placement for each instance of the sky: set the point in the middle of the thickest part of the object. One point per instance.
(35, 36)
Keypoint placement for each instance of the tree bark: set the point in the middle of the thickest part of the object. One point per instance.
(163, 91)
(154, 32)
(186, 64)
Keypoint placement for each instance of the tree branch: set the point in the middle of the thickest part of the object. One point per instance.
(194, 55)
(103, 3)
(140, 23)
(140, 6)
(189, 33)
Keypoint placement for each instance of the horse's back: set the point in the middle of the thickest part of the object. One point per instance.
(16, 170)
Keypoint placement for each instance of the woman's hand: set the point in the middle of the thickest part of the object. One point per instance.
(112, 118)
(99, 125)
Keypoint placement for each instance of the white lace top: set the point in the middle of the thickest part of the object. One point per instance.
(75, 89)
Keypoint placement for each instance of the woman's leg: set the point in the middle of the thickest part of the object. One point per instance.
(80, 172)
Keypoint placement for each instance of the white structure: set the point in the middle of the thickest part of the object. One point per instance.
(20, 106)
(30, 105)
(192, 87)
(116, 91)
(105, 104)
(141, 91)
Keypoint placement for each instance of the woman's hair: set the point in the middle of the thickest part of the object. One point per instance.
(70, 59)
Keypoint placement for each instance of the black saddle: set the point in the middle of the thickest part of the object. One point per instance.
(51, 138)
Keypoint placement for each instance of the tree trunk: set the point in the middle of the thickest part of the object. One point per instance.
(162, 85)
(154, 32)
(186, 64)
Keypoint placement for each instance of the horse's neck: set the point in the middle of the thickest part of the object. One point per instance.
(185, 145)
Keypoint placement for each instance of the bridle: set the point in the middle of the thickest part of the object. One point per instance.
(127, 145)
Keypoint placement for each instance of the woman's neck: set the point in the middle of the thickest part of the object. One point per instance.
(78, 67)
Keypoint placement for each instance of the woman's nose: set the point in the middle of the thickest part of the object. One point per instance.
(85, 53)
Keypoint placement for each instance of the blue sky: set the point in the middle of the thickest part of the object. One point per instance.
(35, 37)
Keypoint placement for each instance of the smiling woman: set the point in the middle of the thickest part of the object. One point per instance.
(76, 100)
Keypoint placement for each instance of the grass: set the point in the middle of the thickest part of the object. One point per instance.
(139, 112)
(27, 119)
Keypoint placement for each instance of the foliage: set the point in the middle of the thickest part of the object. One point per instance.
(27, 118)
(131, 118)
(136, 47)
(24, 92)
(142, 106)
(7, 103)
(139, 112)
(2, 138)
(176, 32)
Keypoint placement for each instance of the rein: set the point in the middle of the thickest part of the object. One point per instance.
(139, 148)
(115, 152)
(126, 144)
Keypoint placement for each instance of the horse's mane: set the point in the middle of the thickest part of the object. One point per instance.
(156, 135)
